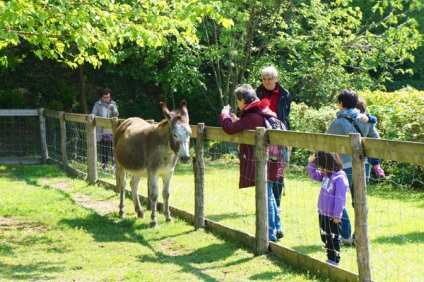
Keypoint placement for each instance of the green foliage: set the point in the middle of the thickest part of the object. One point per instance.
(79, 32)
(12, 99)
(400, 117)
(399, 114)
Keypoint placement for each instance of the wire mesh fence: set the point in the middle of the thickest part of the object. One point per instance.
(394, 205)
(20, 136)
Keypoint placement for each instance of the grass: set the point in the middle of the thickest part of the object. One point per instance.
(396, 235)
(57, 228)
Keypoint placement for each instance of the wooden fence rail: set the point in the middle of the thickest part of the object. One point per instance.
(407, 152)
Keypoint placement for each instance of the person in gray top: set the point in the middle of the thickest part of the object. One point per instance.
(344, 124)
(106, 108)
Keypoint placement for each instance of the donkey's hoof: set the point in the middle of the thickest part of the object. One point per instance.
(140, 215)
(153, 224)
(122, 214)
(169, 219)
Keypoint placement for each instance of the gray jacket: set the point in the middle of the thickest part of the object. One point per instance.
(100, 109)
(341, 126)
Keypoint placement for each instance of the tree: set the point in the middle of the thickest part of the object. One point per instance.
(319, 47)
(79, 32)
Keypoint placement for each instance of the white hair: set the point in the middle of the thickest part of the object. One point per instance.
(272, 71)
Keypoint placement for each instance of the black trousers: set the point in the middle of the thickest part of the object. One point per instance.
(330, 236)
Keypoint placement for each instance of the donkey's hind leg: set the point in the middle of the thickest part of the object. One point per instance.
(135, 182)
(121, 181)
(153, 196)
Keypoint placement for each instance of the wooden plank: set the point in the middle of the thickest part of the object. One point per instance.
(261, 192)
(104, 122)
(401, 151)
(43, 135)
(199, 179)
(193, 131)
(11, 113)
(20, 160)
(361, 208)
(217, 133)
(91, 149)
(75, 117)
(307, 140)
(52, 114)
(230, 232)
(312, 265)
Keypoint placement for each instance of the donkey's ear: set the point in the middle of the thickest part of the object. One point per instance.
(184, 108)
(165, 110)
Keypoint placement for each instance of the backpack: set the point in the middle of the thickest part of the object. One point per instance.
(275, 152)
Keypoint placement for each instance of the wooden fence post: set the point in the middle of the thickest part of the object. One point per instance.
(91, 149)
(199, 179)
(63, 140)
(42, 120)
(361, 207)
(261, 156)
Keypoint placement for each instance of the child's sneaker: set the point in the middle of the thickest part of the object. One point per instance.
(379, 172)
(332, 262)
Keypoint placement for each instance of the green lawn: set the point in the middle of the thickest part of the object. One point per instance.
(396, 232)
(53, 227)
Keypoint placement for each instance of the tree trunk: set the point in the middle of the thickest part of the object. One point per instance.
(82, 89)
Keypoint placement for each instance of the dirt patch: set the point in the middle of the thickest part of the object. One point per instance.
(102, 207)
(7, 223)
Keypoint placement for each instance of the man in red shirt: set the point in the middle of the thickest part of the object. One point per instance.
(279, 99)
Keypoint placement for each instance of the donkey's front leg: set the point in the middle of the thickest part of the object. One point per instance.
(153, 195)
(165, 194)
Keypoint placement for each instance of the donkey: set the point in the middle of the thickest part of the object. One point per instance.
(151, 150)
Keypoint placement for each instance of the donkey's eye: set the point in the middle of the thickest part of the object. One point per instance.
(175, 136)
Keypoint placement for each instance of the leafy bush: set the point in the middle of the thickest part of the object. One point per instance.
(400, 113)
(12, 99)
(400, 116)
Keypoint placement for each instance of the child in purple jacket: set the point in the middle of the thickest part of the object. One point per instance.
(327, 168)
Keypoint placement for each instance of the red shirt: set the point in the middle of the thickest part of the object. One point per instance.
(272, 97)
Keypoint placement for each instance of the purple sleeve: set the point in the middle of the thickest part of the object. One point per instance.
(341, 186)
(313, 173)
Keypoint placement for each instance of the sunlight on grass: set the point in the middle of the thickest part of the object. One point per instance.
(395, 234)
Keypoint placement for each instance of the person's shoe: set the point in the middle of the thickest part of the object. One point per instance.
(379, 172)
(332, 262)
(279, 234)
(347, 242)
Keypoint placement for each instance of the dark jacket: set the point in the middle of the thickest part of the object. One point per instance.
(251, 116)
(283, 105)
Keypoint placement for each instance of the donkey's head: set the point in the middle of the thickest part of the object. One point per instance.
(181, 131)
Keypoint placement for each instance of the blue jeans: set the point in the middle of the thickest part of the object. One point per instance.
(277, 190)
(274, 222)
(345, 225)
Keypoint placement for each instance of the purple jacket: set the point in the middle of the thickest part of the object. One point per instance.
(251, 116)
(332, 197)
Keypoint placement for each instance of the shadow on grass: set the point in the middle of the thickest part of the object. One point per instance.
(412, 237)
(190, 263)
(30, 271)
(221, 217)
